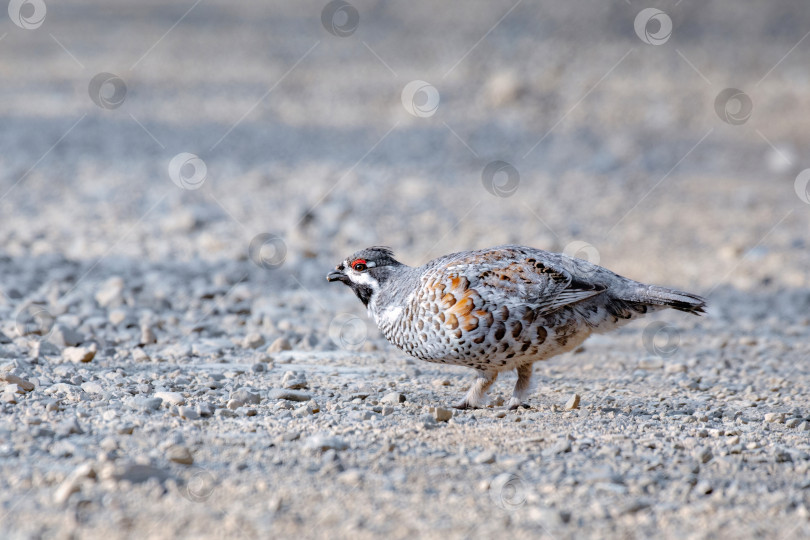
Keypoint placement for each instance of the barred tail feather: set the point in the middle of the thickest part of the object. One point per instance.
(661, 296)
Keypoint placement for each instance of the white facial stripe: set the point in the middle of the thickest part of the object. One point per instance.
(364, 278)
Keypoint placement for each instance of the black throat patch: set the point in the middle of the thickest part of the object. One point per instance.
(363, 292)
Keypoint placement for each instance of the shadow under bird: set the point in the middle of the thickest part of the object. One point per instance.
(498, 309)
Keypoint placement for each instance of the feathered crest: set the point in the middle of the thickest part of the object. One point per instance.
(380, 254)
(384, 250)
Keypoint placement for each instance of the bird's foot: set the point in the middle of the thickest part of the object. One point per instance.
(471, 402)
(513, 404)
(516, 403)
(477, 395)
(522, 387)
(464, 405)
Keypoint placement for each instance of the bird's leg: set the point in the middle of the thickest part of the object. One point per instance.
(476, 397)
(522, 386)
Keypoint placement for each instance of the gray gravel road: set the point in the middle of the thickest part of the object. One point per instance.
(177, 178)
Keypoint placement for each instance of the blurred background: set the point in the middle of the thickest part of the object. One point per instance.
(337, 126)
(177, 178)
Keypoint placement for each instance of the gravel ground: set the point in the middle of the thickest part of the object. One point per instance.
(174, 364)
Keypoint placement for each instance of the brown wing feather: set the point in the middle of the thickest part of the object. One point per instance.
(516, 278)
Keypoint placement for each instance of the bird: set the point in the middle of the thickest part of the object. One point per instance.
(498, 309)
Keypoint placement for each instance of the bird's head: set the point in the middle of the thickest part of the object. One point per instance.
(366, 271)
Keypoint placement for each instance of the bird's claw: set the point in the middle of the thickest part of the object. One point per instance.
(463, 405)
(513, 404)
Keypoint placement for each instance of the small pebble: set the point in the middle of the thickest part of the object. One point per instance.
(147, 336)
(244, 395)
(441, 414)
(234, 404)
(703, 488)
(125, 429)
(703, 455)
(70, 426)
(139, 355)
(79, 354)
(279, 345)
(173, 398)
(394, 398)
(675, 368)
(324, 442)
(92, 387)
(116, 317)
(560, 447)
(484, 458)
(294, 381)
(180, 454)
(253, 341)
(775, 418)
(189, 413)
(651, 363)
(19, 381)
(146, 403)
(291, 395)
(14, 389)
(302, 411)
(205, 410)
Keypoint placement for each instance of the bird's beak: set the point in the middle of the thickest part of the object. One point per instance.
(335, 275)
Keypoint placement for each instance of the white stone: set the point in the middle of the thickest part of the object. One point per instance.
(572, 403)
(79, 354)
(174, 398)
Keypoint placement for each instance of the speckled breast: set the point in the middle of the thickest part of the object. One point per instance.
(448, 321)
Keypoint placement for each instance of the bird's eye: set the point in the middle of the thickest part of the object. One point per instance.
(359, 266)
